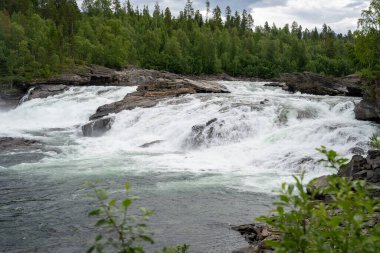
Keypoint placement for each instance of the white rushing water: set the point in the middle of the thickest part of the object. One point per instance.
(252, 139)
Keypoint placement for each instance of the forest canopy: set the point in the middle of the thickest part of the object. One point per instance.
(41, 38)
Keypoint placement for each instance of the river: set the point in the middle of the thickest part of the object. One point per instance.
(219, 159)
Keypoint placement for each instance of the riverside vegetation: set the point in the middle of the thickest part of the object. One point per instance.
(39, 39)
(345, 221)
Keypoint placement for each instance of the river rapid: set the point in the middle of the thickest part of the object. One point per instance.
(217, 160)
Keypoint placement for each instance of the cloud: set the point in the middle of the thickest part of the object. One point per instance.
(340, 15)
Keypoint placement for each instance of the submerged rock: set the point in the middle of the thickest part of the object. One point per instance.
(19, 150)
(149, 144)
(203, 134)
(98, 127)
(9, 144)
(274, 84)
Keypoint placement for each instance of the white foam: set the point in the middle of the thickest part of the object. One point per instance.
(254, 144)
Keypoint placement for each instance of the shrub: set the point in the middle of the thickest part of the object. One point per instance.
(122, 232)
(346, 223)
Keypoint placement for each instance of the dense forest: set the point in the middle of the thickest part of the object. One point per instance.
(40, 38)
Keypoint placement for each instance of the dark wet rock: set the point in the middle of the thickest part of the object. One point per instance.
(98, 127)
(364, 168)
(9, 144)
(211, 121)
(305, 160)
(10, 95)
(19, 150)
(265, 101)
(256, 235)
(311, 83)
(369, 108)
(203, 134)
(274, 84)
(354, 84)
(357, 151)
(316, 185)
(151, 93)
(149, 144)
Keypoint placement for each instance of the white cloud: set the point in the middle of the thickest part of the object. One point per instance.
(340, 15)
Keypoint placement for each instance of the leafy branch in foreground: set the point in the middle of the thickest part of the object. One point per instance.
(126, 233)
(333, 159)
(122, 232)
(347, 222)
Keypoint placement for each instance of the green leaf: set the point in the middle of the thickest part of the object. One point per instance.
(91, 249)
(101, 194)
(98, 238)
(101, 222)
(126, 203)
(127, 187)
(112, 202)
(94, 212)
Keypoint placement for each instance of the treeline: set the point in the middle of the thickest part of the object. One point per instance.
(40, 38)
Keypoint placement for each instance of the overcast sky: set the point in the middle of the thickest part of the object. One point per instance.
(341, 15)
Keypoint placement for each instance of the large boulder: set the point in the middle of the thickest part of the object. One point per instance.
(369, 108)
(316, 84)
(98, 127)
(151, 93)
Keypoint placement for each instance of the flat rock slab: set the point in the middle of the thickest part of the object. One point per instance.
(150, 94)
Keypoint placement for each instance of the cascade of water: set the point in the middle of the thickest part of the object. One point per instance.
(26, 96)
(261, 135)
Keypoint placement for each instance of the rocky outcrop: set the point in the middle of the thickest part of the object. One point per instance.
(44, 91)
(369, 108)
(359, 168)
(311, 83)
(90, 76)
(98, 127)
(364, 168)
(149, 94)
(257, 235)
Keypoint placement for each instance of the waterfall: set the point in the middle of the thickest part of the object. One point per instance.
(26, 96)
(260, 135)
